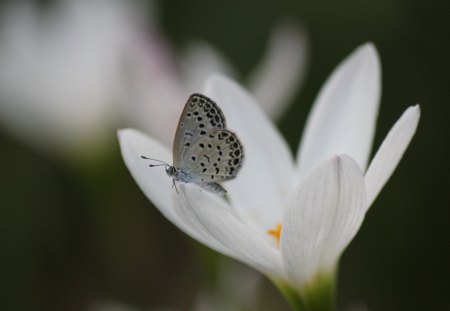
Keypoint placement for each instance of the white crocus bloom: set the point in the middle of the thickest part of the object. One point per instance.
(291, 220)
(60, 74)
(161, 82)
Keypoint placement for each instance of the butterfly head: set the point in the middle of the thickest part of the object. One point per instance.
(170, 170)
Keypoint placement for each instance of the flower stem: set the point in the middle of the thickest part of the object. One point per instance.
(292, 297)
(317, 295)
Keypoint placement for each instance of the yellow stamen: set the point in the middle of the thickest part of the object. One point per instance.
(276, 232)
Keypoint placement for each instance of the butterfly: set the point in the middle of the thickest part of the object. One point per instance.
(205, 152)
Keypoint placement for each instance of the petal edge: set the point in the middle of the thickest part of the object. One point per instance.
(343, 117)
(390, 152)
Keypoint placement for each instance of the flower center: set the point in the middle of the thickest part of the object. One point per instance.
(276, 232)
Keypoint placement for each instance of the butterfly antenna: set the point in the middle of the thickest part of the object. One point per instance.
(153, 165)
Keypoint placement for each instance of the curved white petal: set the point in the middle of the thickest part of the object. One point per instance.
(390, 152)
(154, 182)
(265, 180)
(322, 218)
(343, 117)
(214, 217)
(279, 74)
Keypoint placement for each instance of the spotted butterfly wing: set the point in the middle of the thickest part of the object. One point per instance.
(203, 147)
(216, 157)
(200, 116)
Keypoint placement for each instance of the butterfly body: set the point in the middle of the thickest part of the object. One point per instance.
(180, 175)
(204, 151)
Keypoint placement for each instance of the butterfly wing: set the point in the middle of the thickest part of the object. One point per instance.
(200, 116)
(215, 157)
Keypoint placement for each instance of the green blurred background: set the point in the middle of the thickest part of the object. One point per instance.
(70, 236)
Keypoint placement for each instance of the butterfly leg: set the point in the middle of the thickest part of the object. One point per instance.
(174, 186)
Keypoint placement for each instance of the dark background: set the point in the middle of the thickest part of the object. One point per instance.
(69, 236)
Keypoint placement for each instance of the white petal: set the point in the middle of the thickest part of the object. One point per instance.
(324, 215)
(213, 216)
(279, 74)
(265, 180)
(390, 152)
(342, 120)
(199, 61)
(154, 182)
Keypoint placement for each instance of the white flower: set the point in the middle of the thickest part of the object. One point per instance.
(289, 219)
(60, 72)
(161, 82)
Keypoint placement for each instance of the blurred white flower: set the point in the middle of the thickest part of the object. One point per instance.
(290, 220)
(64, 73)
(160, 84)
(60, 77)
